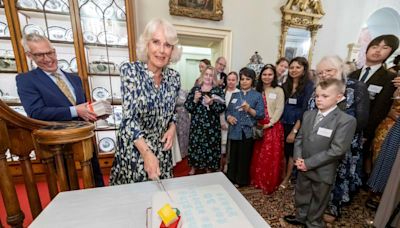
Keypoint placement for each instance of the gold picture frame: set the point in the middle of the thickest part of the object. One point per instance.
(204, 9)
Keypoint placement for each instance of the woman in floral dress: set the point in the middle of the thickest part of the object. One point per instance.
(149, 90)
(205, 127)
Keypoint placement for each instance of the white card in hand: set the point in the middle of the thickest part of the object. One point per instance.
(292, 101)
(272, 96)
(374, 88)
(233, 101)
(324, 132)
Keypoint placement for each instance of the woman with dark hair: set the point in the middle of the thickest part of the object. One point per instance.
(282, 65)
(266, 165)
(243, 111)
(298, 89)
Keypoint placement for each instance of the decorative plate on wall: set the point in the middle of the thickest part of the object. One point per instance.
(4, 32)
(106, 144)
(73, 66)
(89, 37)
(54, 5)
(31, 28)
(69, 35)
(64, 65)
(121, 15)
(57, 33)
(100, 93)
(65, 7)
(107, 38)
(27, 4)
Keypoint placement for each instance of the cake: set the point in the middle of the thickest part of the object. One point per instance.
(208, 206)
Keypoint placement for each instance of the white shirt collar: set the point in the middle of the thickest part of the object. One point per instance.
(328, 111)
(372, 71)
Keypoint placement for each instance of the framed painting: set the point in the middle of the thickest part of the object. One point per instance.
(204, 9)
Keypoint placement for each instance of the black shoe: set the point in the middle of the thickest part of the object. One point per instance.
(371, 204)
(293, 220)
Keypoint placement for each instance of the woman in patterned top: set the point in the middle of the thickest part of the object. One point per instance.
(242, 113)
(355, 103)
(149, 90)
(205, 127)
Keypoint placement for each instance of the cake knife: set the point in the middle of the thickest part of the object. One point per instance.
(161, 185)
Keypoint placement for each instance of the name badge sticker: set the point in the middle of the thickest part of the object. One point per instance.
(324, 132)
(233, 101)
(292, 101)
(272, 96)
(374, 88)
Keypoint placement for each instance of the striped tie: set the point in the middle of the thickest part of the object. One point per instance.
(64, 88)
(318, 119)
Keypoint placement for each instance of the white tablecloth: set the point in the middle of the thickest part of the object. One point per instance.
(125, 205)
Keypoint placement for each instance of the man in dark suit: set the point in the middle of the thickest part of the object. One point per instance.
(324, 137)
(220, 65)
(380, 86)
(50, 94)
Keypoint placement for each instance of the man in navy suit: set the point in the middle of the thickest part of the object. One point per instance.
(50, 94)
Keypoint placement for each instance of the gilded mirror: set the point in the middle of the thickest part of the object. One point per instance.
(300, 23)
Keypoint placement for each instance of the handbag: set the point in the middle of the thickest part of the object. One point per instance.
(258, 132)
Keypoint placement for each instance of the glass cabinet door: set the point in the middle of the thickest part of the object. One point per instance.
(51, 18)
(105, 38)
(8, 66)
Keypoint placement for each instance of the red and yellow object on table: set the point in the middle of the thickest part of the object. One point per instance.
(170, 218)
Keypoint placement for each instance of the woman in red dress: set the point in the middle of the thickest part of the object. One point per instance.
(267, 163)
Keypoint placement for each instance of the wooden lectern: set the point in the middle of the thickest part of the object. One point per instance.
(57, 145)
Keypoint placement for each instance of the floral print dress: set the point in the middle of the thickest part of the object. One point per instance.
(205, 130)
(147, 112)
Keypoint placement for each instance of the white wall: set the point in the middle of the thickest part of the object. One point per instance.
(255, 25)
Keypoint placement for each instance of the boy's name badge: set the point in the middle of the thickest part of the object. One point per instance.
(233, 101)
(324, 132)
(272, 96)
(292, 101)
(374, 88)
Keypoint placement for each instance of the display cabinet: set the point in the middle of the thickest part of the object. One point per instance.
(92, 38)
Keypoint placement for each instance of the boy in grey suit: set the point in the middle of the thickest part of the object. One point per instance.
(322, 141)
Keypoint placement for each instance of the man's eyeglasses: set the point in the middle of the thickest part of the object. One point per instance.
(49, 54)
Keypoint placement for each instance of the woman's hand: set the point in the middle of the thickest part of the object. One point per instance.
(396, 82)
(290, 138)
(168, 137)
(151, 164)
(208, 100)
(224, 126)
(197, 96)
(231, 120)
(245, 106)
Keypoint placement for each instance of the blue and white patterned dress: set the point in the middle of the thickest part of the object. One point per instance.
(147, 113)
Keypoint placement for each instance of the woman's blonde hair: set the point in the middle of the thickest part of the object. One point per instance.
(335, 62)
(170, 35)
(201, 79)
